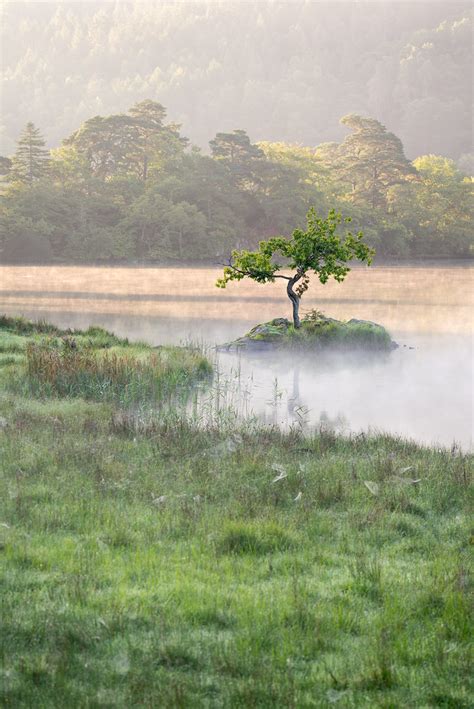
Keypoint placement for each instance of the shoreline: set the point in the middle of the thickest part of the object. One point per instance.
(203, 265)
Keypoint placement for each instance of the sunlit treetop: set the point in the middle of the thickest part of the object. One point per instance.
(319, 249)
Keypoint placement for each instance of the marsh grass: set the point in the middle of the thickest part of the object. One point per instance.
(149, 558)
(67, 370)
(248, 538)
(95, 364)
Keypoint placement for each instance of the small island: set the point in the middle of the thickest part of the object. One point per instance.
(326, 253)
(316, 333)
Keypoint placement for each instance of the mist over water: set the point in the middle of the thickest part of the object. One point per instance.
(422, 391)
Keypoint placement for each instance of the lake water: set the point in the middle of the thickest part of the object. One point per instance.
(423, 390)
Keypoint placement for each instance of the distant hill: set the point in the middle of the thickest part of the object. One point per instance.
(283, 71)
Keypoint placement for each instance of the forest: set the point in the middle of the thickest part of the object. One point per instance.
(281, 70)
(130, 188)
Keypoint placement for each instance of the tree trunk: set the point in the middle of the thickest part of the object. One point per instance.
(31, 164)
(374, 186)
(295, 299)
(140, 244)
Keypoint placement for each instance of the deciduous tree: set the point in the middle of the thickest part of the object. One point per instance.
(319, 250)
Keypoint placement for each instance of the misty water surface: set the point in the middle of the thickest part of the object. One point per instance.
(422, 390)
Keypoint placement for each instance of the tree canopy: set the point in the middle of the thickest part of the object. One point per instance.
(371, 160)
(129, 186)
(318, 249)
(131, 143)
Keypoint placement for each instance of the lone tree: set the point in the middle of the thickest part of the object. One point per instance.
(317, 250)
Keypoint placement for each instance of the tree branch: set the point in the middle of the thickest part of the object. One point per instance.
(256, 272)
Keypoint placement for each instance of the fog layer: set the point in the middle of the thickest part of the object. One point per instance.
(423, 390)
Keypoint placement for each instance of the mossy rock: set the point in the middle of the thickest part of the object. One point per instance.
(315, 333)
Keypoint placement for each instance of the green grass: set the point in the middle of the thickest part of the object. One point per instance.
(95, 364)
(159, 565)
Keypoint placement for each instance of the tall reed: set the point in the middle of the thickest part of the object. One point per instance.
(65, 369)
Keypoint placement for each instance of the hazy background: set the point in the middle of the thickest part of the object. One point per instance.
(286, 73)
(282, 71)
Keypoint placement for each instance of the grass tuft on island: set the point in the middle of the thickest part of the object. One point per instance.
(317, 333)
(221, 564)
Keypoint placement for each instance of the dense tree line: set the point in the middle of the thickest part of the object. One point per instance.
(130, 187)
(284, 70)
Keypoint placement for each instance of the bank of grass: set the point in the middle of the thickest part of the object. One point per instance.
(96, 365)
(164, 562)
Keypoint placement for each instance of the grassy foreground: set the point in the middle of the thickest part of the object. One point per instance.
(167, 562)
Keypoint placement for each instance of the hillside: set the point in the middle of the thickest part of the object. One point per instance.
(283, 71)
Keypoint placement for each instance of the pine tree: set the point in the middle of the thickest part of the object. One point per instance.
(372, 160)
(155, 141)
(239, 155)
(30, 161)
